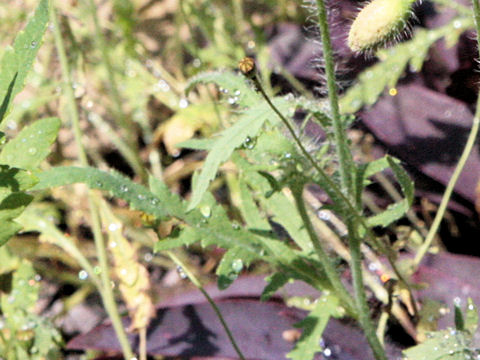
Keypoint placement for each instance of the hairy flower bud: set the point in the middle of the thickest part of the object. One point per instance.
(378, 22)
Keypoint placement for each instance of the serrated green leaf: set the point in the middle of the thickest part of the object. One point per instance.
(28, 149)
(442, 345)
(372, 82)
(185, 237)
(233, 84)
(275, 282)
(118, 185)
(176, 205)
(249, 210)
(283, 211)
(313, 326)
(17, 61)
(248, 125)
(403, 179)
(397, 210)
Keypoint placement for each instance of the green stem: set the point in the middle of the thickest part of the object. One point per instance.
(198, 284)
(343, 152)
(327, 264)
(105, 290)
(360, 295)
(460, 165)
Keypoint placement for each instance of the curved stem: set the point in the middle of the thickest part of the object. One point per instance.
(327, 264)
(198, 284)
(460, 165)
(105, 290)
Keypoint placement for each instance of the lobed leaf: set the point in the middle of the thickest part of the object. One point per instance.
(313, 326)
(247, 126)
(139, 197)
(393, 63)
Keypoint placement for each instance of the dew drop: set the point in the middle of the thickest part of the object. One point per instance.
(323, 215)
(206, 211)
(141, 197)
(32, 151)
(237, 265)
(124, 188)
(33, 44)
(148, 257)
(249, 143)
(196, 63)
(181, 272)
(82, 275)
(183, 103)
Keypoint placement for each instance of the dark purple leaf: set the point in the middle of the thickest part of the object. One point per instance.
(193, 330)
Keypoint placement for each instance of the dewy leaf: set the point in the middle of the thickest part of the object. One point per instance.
(447, 344)
(248, 125)
(393, 62)
(232, 263)
(31, 145)
(231, 84)
(118, 185)
(17, 61)
(313, 326)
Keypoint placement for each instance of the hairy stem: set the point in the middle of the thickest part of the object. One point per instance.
(341, 143)
(328, 266)
(105, 290)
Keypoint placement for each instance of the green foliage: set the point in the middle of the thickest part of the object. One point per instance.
(26, 335)
(241, 133)
(17, 61)
(450, 344)
(398, 209)
(313, 326)
(393, 62)
(32, 145)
